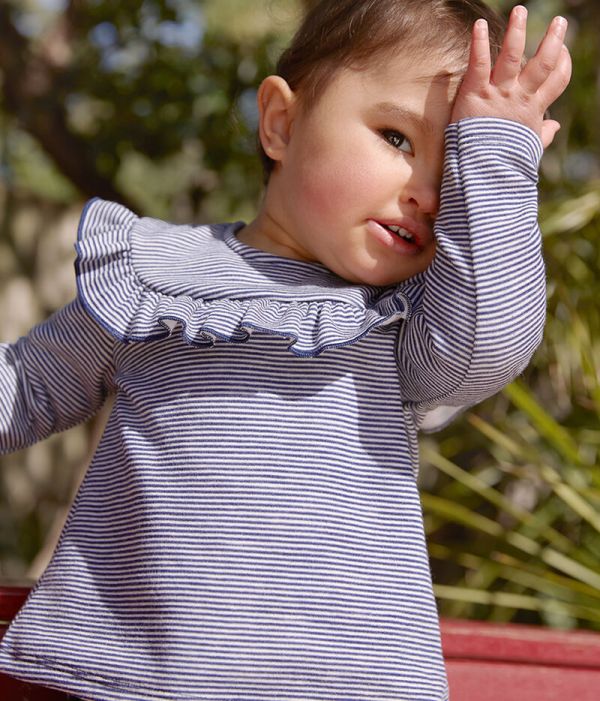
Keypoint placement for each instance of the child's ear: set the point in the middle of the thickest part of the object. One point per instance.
(276, 106)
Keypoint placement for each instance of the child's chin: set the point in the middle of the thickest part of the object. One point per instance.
(366, 269)
(383, 278)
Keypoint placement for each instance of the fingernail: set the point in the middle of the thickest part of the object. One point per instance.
(481, 26)
(521, 12)
(560, 24)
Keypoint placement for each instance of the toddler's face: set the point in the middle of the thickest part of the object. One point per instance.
(357, 187)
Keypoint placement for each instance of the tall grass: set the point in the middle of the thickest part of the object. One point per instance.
(512, 493)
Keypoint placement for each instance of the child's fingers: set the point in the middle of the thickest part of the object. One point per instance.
(558, 80)
(550, 128)
(477, 76)
(508, 64)
(543, 64)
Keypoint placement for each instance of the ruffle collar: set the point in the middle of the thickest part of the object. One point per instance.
(142, 279)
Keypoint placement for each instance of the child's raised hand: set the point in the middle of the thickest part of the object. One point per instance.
(510, 91)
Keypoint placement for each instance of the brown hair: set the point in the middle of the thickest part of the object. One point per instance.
(359, 33)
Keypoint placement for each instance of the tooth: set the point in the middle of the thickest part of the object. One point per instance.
(400, 232)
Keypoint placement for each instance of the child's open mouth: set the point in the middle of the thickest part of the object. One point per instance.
(405, 241)
(402, 233)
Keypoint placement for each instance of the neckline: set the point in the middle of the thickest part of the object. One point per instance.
(249, 252)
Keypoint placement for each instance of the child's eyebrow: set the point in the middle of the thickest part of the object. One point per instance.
(419, 121)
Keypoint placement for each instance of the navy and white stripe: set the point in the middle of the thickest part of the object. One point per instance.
(250, 527)
(480, 312)
(214, 290)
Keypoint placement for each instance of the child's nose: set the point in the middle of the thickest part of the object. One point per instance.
(421, 189)
(426, 198)
(430, 201)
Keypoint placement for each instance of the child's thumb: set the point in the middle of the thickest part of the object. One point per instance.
(550, 128)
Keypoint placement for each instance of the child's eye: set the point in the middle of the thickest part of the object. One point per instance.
(397, 140)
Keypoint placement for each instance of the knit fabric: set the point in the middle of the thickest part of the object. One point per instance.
(250, 527)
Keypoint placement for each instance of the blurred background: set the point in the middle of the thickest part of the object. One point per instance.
(152, 103)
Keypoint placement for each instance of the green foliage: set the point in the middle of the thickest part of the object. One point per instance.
(152, 83)
(513, 509)
(511, 492)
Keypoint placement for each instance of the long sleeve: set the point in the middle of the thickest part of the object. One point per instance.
(477, 314)
(53, 378)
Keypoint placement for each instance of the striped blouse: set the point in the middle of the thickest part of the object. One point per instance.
(250, 526)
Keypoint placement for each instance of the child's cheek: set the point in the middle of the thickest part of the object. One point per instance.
(332, 188)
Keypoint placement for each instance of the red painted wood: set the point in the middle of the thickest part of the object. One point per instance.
(14, 690)
(485, 661)
(12, 597)
(520, 644)
(478, 680)
(494, 662)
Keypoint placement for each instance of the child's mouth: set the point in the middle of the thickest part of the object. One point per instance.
(405, 241)
(402, 233)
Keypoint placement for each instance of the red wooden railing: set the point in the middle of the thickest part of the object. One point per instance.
(485, 661)
(11, 600)
(510, 662)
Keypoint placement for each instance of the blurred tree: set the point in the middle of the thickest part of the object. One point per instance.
(103, 87)
(35, 92)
